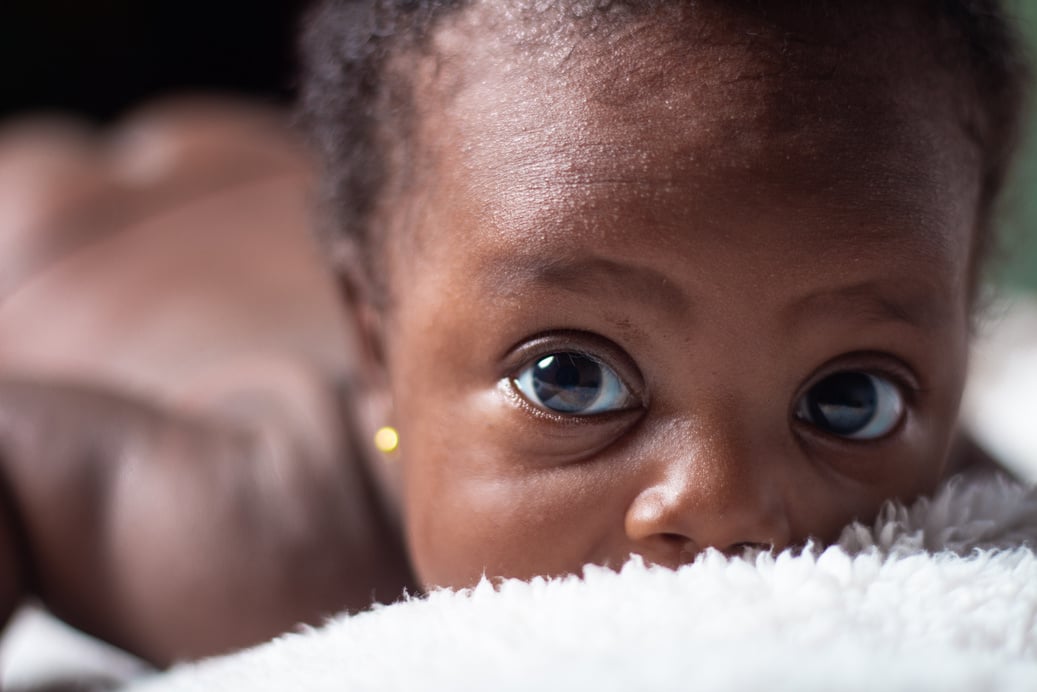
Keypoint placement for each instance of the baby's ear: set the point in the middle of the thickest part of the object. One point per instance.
(360, 298)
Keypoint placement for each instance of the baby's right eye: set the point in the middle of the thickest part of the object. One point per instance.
(572, 383)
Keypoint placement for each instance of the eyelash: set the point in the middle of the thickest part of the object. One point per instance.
(586, 344)
(873, 363)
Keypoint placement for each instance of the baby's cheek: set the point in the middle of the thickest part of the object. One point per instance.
(464, 528)
(469, 515)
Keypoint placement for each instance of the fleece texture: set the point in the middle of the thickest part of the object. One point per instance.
(941, 595)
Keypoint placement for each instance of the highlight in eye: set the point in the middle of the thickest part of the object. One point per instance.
(572, 383)
(854, 405)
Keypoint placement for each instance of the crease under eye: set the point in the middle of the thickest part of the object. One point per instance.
(572, 383)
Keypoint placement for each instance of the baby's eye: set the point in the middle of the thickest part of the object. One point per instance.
(572, 383)
(854, 405)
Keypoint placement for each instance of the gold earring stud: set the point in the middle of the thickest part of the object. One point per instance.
(386, 439)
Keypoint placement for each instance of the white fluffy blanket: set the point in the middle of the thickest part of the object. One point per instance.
(941, 596)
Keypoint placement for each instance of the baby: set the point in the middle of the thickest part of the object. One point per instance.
(630, 277)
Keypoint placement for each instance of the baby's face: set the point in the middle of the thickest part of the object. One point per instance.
(650, 304)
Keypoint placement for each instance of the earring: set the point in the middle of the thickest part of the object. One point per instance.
(386, 439)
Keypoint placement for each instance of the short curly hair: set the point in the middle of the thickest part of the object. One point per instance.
(355, 109)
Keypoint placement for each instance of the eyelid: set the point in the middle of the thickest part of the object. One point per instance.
(588, 344)
(872, 362)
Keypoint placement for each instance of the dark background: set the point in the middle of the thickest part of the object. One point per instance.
(99, 58)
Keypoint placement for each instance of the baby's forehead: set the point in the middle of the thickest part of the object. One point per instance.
(690, 91)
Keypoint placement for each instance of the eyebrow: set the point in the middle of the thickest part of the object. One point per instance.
(587, 276)
(868, 301)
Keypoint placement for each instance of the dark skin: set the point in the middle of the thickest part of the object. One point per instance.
(713, 247)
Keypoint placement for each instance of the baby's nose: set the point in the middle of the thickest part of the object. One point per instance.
(713, 494)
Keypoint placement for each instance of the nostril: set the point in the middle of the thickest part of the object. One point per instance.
(738, 549)
(674, 550)
(689, 549)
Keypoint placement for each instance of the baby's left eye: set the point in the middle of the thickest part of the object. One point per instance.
(572, 383)
(854, 405)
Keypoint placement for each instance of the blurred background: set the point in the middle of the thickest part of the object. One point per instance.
(101, 57)
(1017, 265)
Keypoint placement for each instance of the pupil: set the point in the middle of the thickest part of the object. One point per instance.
(843, 403)
(567, 382)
